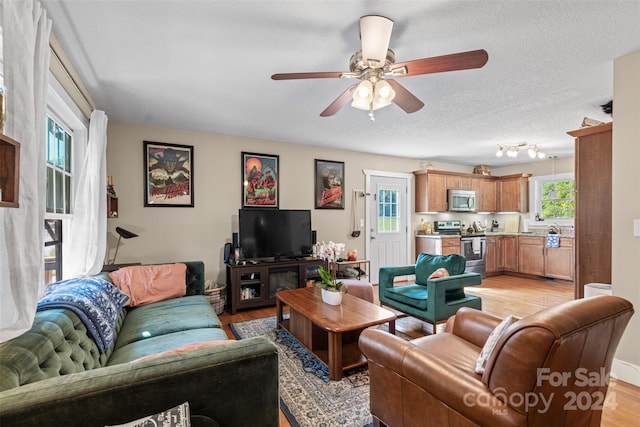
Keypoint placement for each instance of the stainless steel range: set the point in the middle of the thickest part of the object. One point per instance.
(472, 246)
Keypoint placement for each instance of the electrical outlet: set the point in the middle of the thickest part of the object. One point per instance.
(361, 222)
(636, 227)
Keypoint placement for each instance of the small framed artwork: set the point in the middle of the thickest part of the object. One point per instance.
(260, 188)
(168, 175)
(329, 182)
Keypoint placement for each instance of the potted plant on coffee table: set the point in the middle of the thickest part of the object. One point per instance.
(331, 288)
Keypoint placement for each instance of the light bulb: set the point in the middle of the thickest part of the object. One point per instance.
(541, 155)
(532, 152)
(499, 153)
(364, 89)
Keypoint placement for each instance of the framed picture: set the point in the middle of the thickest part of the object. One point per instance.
(168, 175)
(260, 175)
(329, 192)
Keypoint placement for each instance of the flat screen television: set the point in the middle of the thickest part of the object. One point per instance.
(275, 233)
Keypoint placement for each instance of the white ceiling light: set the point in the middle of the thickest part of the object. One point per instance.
(383, 94)
(513, 150)
(372, 96)
(363, 95)
(375, 33)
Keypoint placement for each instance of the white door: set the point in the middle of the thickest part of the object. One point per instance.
(388, 221)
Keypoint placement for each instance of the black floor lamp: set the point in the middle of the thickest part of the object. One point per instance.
(122, 233)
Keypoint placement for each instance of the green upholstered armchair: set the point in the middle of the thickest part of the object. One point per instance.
(432, 300)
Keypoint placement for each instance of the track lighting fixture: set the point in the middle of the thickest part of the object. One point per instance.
(513, 150)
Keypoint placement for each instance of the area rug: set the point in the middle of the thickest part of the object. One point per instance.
(307, 396)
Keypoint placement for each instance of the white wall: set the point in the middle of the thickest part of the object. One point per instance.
(199, 233)
(626, 207)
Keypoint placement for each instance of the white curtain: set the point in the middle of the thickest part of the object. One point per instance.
(87, 231)
(26, 66)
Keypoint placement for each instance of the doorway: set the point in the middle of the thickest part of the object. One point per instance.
(388, 220)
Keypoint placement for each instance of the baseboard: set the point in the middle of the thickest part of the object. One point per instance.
(625, 371)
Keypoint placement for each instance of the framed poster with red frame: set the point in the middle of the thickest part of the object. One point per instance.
(260, 175)
(168, 175)
(329, 184)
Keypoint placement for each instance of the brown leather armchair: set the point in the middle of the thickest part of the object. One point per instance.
(548, 369)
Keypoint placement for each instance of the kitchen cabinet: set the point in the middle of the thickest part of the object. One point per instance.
(508, 253)
(458, 182)
(508, 193)
(513, 193)
(531, 251)
(593, 177)
(559, 263)
(486, 192)
(529, 255)
(437, 245)
(430, 191)
(491, 261)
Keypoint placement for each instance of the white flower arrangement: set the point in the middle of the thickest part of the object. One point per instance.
(331, 251)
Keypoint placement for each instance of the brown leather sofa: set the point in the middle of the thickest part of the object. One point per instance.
(548, 369)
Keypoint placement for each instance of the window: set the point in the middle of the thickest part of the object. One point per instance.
(52, 250)
(58, 155)
(388, 211)
(65, 141)
(553, 198)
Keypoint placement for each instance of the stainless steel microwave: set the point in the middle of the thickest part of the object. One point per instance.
(461, 200)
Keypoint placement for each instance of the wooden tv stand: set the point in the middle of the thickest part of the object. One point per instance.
(255, 285)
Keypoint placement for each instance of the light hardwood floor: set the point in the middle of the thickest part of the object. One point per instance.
(501, 296)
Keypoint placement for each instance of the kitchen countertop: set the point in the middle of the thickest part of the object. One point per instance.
(492, 233)
(530, 233)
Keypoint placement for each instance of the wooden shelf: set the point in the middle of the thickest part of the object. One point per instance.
(9, 171)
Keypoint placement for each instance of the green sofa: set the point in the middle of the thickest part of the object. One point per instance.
(432, 300)
(54, 374)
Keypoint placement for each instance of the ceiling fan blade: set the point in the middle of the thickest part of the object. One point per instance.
(375, 33)
(405, 99)
(315, 75)
(439, 64)
(342, 100)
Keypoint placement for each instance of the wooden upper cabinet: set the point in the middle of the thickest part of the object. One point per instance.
(458, 182)
(485, 189)
(513, 193)
(431, 191)
(493, 194)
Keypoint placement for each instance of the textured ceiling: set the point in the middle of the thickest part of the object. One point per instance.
(206, 66)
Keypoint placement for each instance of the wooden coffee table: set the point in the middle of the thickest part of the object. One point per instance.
(330, 332)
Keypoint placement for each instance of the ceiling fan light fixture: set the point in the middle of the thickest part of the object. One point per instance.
(363, 95)
(375, 33)
(383, 94)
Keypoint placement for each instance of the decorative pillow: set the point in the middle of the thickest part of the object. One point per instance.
(428, 263)
(485, 354)
(177, 416)
(146, 284)
(94, 300)
(185, 348)
(441, 272)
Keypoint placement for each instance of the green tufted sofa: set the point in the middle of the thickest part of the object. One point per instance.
(54, 373)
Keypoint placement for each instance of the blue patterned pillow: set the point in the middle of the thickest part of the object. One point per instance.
(94, 300)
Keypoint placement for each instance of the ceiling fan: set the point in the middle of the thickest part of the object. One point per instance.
(375, 66)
